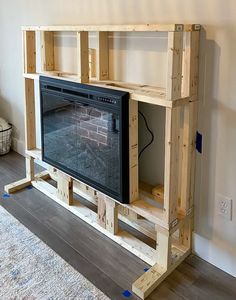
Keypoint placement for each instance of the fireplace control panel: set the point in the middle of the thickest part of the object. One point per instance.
(107, 100)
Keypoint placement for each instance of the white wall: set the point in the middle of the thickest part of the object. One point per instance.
(215, 238)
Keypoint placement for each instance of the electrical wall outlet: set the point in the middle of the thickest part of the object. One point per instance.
(224, 207)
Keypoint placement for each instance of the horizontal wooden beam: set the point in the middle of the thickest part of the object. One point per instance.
(141, 93)
(134, 27)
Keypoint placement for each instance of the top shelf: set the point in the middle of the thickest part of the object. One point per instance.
(137, 27)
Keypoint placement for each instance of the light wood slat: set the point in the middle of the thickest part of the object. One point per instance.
(131, 27)
(30, 131)
(64, 188)
(133, 151)
(103, 56)
(29, 51)
(174, 65)
(82, 57)
(29, 166)
(47, 51)
(171, 165)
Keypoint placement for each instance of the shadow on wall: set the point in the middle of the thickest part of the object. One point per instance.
(207, 125)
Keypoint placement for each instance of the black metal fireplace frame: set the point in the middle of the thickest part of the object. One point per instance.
(109, 99)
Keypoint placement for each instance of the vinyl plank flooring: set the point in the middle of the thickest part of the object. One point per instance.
(107, 265)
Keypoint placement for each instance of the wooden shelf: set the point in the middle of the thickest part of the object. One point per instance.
(143, 93)
(134, 27)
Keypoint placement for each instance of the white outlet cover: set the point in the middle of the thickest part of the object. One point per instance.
(224, 206)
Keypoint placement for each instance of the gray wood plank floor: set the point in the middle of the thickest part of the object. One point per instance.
(108, 266)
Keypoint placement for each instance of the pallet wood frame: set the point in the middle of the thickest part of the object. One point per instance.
(171, 225)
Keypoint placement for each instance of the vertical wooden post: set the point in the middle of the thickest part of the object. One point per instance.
(111, 216)
(163, 247)
(186, 233)
(101, 210)
(29, 45)
(29, 165)
(65, 188)
(47, 51)
(174, 65)
(171, 164)
(92, 63)
(103, 56)
(108, 213)
(189, 88)
(30, 132)
(133, 150)
(29, 50)
(83, 56)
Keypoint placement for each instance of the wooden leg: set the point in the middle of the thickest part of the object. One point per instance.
(163, 247)
(101, 210)
(29, 165)
(108, 213)
(186, 233)
(65, 188)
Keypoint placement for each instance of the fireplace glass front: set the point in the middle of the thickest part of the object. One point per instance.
(85, 133)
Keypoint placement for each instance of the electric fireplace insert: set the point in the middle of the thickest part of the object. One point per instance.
(85, 133)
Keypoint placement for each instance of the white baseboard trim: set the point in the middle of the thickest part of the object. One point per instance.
(214, 254)
(18, 146)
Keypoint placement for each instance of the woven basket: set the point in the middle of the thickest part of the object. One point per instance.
(5, 140)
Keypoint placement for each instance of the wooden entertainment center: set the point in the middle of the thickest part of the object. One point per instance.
(170, 225)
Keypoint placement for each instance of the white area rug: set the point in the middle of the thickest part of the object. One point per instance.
(29, 269)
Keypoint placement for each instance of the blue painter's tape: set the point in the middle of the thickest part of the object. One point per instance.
(199, 142)
(145, 269)
(29, 187)
(127, 294)
(6, 195)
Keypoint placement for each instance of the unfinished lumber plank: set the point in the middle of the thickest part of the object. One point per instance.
(103, 56)
(92, 63)
(29, 165)
(30, 133)
(82, 56)
(133, 151)
(65, 187)
(190, 88)
(47, 51)
(107, 213)
(148, 191)
(128, 27)
(171, 171)
(163, 247)
(29, 51)
(174, 65)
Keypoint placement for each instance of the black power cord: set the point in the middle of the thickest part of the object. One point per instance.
(152, 135)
